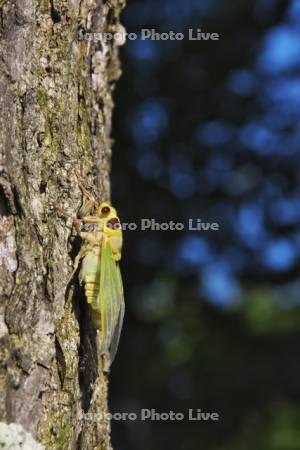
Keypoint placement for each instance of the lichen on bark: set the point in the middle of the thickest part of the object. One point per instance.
(55, 116)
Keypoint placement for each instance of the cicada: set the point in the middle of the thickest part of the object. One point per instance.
(99, 273)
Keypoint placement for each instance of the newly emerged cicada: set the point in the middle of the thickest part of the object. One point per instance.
(99, 274)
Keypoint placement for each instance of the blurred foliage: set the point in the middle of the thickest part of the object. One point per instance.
(210, 130)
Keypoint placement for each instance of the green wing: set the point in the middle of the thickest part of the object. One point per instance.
(110, 302)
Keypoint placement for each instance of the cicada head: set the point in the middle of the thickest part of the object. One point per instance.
(111, 228)
(108, 214)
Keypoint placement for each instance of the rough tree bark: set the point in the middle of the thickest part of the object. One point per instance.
(55, 113)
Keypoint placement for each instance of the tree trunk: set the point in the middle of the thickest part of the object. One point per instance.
(55, 112)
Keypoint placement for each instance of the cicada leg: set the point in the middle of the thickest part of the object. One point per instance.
(76, 265)
(88, 198)
(64, 213)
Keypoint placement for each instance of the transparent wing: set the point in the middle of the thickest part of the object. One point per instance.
(117, 333)
(110, 302)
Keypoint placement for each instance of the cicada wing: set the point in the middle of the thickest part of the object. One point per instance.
(117, 333)
(110, 302)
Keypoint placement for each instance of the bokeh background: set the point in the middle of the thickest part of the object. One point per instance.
(210, 130)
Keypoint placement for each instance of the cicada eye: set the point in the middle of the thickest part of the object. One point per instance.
(105, 210)
(114, 224)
